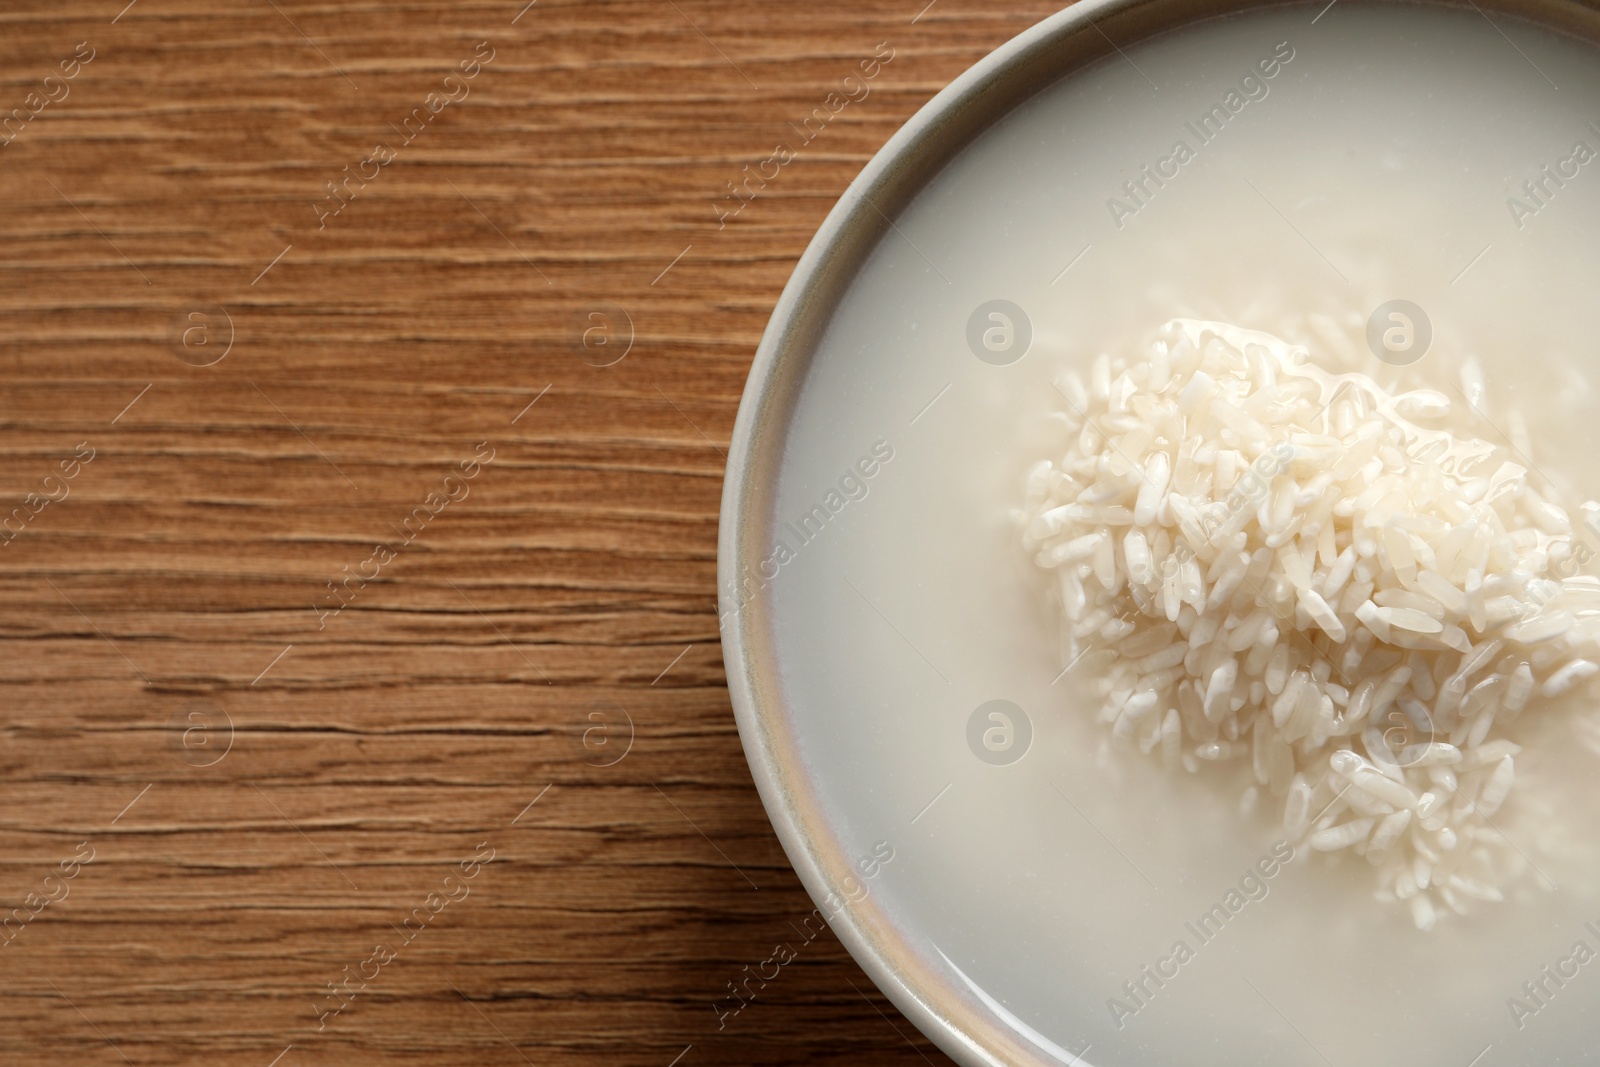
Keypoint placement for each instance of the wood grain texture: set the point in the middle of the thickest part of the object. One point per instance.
(269, 791)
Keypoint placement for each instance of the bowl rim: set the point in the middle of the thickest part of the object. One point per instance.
(966, 1023)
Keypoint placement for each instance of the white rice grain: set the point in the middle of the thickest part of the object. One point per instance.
(1268, 561)
(1496, 788)
(1342, 836)
(1567, 677)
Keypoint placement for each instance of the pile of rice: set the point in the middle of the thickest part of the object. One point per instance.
(1264, 561)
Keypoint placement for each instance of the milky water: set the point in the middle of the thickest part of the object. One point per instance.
(1385, 157)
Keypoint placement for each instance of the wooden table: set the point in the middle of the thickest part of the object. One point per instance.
(339, 556)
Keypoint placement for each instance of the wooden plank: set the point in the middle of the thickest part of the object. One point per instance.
(342, 765)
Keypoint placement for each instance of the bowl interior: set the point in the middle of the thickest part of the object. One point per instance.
(876, 602)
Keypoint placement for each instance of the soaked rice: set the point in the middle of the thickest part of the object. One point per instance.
(1272, 563)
